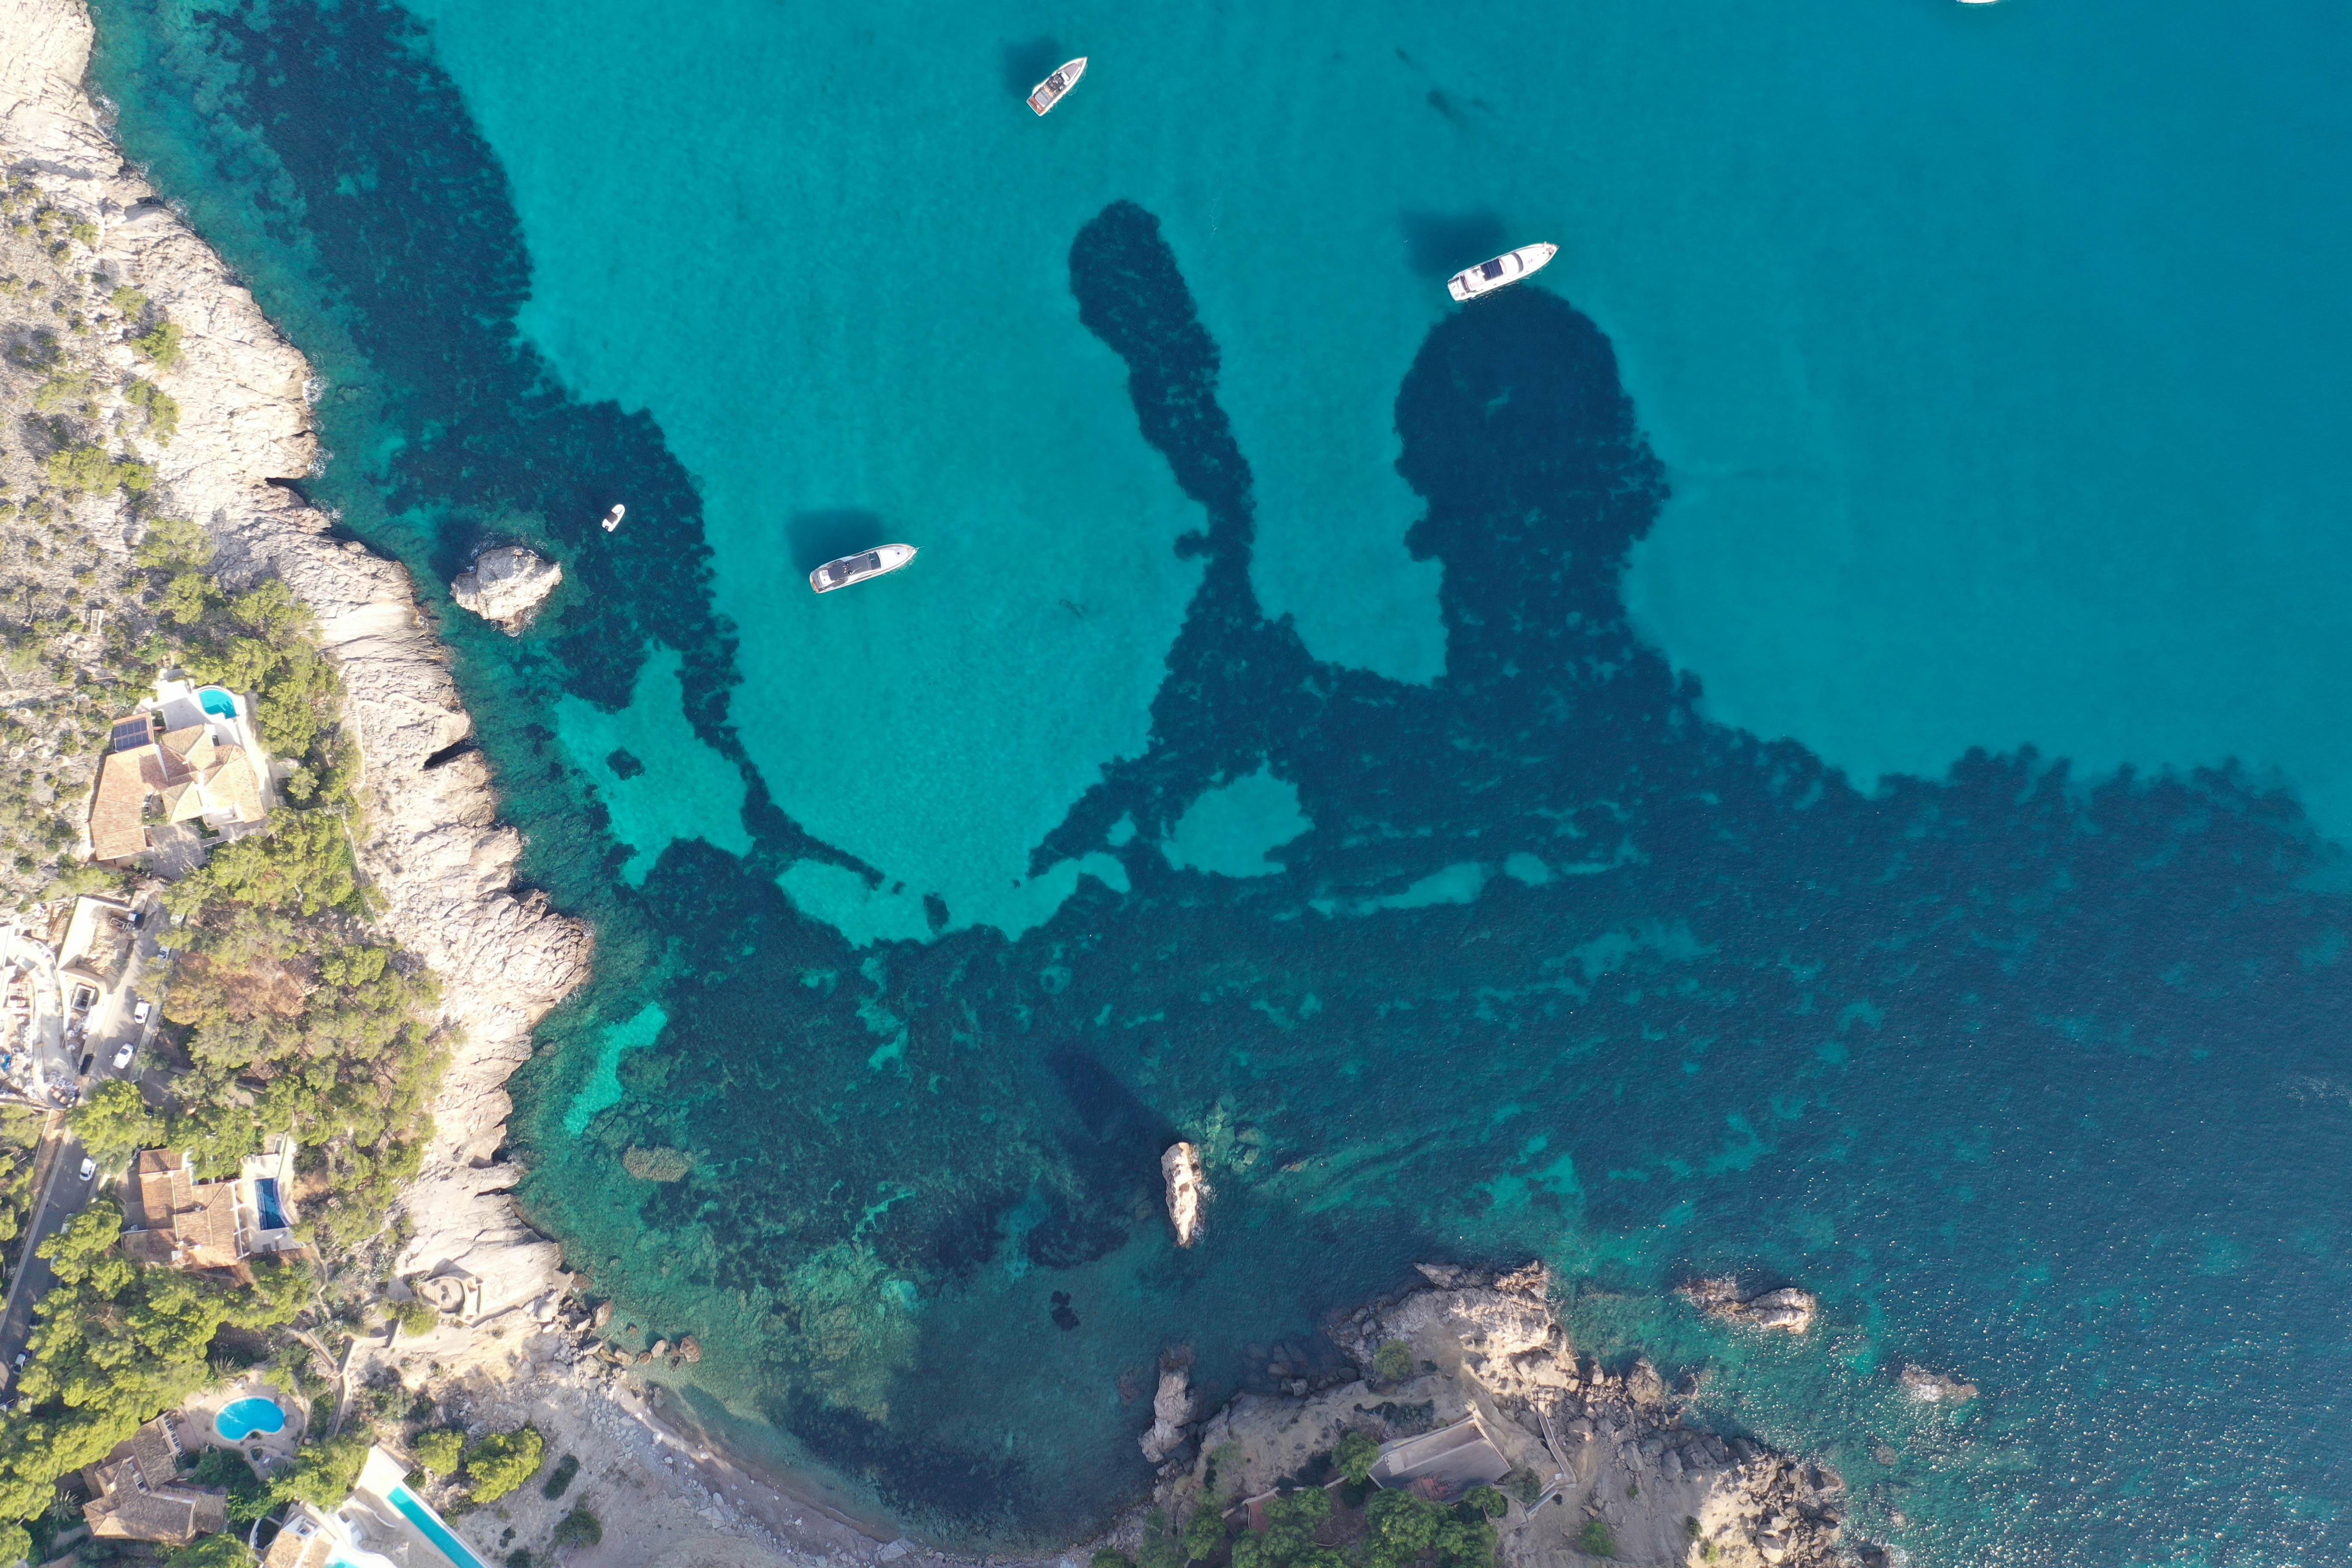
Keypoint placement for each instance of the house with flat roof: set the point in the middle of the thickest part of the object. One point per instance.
(188, 754)
(169, 1218)
(1441, 1465)
(136, 1493)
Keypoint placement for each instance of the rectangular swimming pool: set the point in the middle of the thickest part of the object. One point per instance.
(265, 1198)
(415, 1509)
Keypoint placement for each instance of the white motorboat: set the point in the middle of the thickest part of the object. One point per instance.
(1047, 93)
(857, 568)
(613, 518)
(1501, 272)
(1180, 1168)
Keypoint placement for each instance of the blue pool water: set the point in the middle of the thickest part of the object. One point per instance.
(214, 701)
(264, 1197)
(1631, 773)
(240, 1419)
(420, 1513)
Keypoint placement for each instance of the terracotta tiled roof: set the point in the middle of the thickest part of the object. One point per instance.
(195, 774)
(170, 1217)
(140, 1497)
(208, 1235)
(125, 779)
(172, 1515)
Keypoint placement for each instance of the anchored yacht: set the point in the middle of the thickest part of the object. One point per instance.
(1047, 93)
(1501, 272)
(857, 568)
(613, 518)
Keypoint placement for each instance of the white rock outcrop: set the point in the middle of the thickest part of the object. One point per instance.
(1171, 1408)
(436, 850)
(1787, 1309)
(507, 585)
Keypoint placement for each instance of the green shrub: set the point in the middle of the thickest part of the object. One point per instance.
(1596, 1539)
(502, 1462)
(1355, 1455)
(114, 1121)
(323, 1474)
(1204, 1533)
(416, 1320)
(159, 343)
(1392, 1362)
(63, 390)
(578, 1527)
(440, 1450)
(162, 410)
(1495, 1505)
(86, 469)
(128, 300)
(1110, 1557)
(212, 1552)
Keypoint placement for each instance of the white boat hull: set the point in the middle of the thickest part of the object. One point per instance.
(1511, 267)
(1054, 87)
(851, 570)
(613, 518)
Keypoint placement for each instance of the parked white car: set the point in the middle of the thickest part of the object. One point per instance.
(88, 1168)
(139, 1013)
(123, 1057)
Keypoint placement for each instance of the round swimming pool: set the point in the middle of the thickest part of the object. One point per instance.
(238, 1420)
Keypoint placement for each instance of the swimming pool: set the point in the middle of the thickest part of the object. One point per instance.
(265, 1198)
(213, 700)
(415, 1509)
(244, 1416)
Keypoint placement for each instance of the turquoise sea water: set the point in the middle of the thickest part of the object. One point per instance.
(1263, 750)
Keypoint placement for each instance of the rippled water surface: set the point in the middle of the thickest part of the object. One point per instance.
(1262, 750)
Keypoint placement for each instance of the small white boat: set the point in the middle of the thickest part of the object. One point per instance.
(1180, 1168)
(857, 568)
(1501, 272)
(1047, 93)
(613, 518)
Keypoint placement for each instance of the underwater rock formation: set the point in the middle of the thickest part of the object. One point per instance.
(1935, 1387)
(507, 585)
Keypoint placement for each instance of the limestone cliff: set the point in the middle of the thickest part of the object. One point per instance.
(433, 847)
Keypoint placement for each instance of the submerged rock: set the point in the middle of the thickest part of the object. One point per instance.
(507, 585)
(1935, 1387)
(656, 1165)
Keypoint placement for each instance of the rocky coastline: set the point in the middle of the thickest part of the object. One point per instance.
(521, 1344)
(433, 847)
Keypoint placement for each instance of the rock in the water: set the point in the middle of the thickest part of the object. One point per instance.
(1788, 1308)
(1180, 1167)
(1935, 1387)
(507, 586)
(1171, 1408)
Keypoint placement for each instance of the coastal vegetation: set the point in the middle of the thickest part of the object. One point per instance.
(502, 1462)
(283, 1011)
(1392, 1362)
(118, 1341)
(440, 1450)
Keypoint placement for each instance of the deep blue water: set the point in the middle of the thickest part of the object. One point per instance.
(1262, 749)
